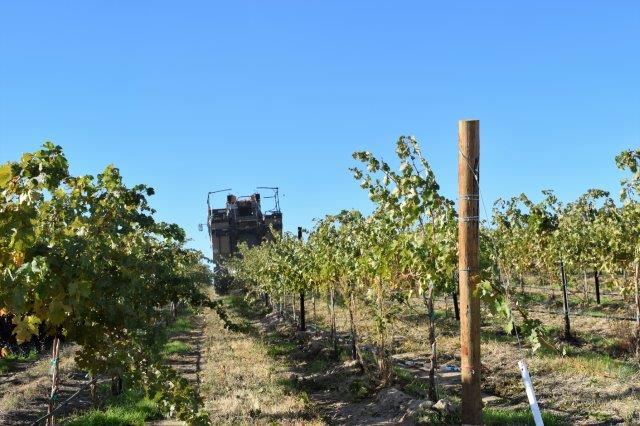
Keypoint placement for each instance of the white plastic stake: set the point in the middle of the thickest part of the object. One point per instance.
(533, 403)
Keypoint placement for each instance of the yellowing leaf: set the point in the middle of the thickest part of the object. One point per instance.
(39, 308)
(18, 258)
(26, 327)
(5, 174)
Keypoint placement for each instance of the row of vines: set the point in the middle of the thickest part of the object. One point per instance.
(82, 260)
(407, 247)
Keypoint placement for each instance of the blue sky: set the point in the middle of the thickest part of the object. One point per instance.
(195, 96)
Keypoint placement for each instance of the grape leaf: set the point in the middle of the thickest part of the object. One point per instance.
(26, 327)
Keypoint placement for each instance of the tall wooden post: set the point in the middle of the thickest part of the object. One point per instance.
(469, 262)
(637, 288)
(456, 307)
(55, 372)
(596, 277)
(454, 295)
(303, 325)
(565, 302)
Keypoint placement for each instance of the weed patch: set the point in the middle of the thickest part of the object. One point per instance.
(8, 360)
(181, 325)
(499, 416)
(175, 347)
(129, 408)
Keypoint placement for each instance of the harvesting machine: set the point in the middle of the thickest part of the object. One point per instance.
(241, 220)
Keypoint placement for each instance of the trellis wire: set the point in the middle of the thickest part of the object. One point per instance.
(66, 401)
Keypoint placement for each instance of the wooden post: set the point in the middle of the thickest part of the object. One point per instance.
(92, 390)
(332, 308)
(293, 307)
(585, 287)
(468, 260)
(597, 279)
(303, 325)
(116, 385)
(565, 303)
(352, 326)
(454, 296)
(55, 369)
(433, 391)
(313, 300)
(456, 307)
(174, 310)
(637, 294)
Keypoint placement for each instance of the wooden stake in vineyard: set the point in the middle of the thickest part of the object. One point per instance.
(637, 294)
(303, 325)
(55, 361)
(454, 295)
(565, 302)
(596, 277)
(469, 262)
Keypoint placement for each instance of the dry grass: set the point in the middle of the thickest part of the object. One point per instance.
(16, 389)
(243, 384)
(594, 382)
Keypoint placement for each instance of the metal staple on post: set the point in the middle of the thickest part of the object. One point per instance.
(470, 219)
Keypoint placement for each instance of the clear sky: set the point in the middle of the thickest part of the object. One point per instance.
(193, 96)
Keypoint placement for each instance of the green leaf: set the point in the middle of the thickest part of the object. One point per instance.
(57, 311)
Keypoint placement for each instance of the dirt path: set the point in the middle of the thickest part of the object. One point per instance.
(188, 363)
(243, 382)
(269, 373)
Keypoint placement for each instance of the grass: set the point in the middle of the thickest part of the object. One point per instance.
(7, 361)
(359, 389)
(181, 325)
(245, 379)
(413, 386)
(500, 416)
(611, 302)
(246, 312)
(318, 365)
(175, 347)
(595, 313)
(281, 348)
(129, 408)
(599, 363)
(492, 335)
(580, 363)
(279, 345)
(244, 308)
(594, 363)
(532, 297)
(132, 407)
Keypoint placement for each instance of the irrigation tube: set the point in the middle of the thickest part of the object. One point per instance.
(533, 403)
